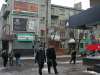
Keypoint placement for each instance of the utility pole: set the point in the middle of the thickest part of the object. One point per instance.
(46, 29)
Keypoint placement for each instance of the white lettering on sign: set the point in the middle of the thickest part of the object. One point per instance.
(25, 37)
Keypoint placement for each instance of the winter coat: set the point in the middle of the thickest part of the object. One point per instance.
(51, 56)
(17, 55)
(4, 55)
(73, 55)
(40, 57)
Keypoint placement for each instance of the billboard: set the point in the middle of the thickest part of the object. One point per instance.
(19, 24)
(25, 6)
(25, 37)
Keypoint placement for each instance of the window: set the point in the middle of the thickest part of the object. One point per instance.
(81, 45)
(29, 1)
(42, 32)
(62, 22)
(62, 11)
(43, 10)
(19, 24)
(62, 35)
(72, 12)
(52, 10)
(67, 13)
(42, 20)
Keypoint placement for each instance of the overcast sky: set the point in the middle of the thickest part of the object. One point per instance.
(70, 3)
(1, 2)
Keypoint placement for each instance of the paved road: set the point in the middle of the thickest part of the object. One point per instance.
(30, 68)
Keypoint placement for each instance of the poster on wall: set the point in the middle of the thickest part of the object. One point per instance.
(19, 24)
(31, 25)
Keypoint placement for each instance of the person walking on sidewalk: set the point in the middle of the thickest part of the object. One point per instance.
(4, 57)
(73, 57)
(40, 59)
(51, 59)
(11, 56)
(17, 56)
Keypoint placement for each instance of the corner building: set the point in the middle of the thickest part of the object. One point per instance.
(24, 24)
(23, 21)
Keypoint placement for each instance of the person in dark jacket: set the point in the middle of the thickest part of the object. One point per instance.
(51, 59)
(73, 57)
(17, 56)
(4, 57)
(40, 59)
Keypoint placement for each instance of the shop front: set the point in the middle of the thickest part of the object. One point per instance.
(88, 20)
(24, 43)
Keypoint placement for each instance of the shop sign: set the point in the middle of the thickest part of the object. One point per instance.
(92, 47)
(25, 37)
(25, 6)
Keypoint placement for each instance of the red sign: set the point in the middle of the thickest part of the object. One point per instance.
(92, 47)
(24, 6)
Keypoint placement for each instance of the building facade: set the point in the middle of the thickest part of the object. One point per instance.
(59, 17)
(23, 21)
(26, 21)
(78, 5)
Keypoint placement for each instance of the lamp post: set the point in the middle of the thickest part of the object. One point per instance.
(46, 26)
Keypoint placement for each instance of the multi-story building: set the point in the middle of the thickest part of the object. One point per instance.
(59, 17)
(82, 4)
(22, 21)
(78, 5)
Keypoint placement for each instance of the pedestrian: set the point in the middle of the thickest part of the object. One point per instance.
(4, 57)
(40, 59)
(11, 55)
(51, 59)
(33, 50)
(17, 56)
(73, 57)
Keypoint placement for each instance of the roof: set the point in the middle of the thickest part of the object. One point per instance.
(86, 18)
(65, 7)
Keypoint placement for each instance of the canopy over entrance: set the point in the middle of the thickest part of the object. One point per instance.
(85, 19)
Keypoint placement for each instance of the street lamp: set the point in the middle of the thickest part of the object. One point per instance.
(46, 29)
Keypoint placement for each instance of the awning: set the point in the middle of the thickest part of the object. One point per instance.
(86, 18)
(92, 47)
(71, 41)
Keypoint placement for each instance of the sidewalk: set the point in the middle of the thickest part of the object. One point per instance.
(28, 67)
(61, 56)
(59, 59)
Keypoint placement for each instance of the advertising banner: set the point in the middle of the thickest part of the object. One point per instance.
(25, 6)
(92, 47)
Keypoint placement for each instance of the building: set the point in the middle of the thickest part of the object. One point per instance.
(24, 22)
(78, 5)
(94, 3)
(59, 17)
(83, 4)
